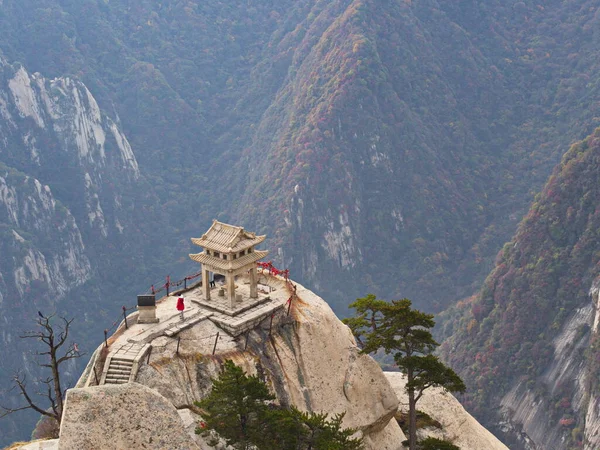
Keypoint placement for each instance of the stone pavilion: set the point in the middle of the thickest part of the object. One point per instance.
(229, 251)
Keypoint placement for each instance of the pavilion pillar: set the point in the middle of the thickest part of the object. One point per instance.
(205, 283)
(230, 280)
(253, 291)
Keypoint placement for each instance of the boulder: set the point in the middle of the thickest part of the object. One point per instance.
(206, 441)
(127, 416)
(324, 371)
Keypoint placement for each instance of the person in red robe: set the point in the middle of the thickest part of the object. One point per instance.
(180, 306)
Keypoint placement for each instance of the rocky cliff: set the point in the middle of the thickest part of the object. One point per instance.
(310, 360)
(55, 142)
(570, 389)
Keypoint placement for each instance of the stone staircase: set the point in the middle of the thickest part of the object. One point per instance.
(119, 371)
(121, 366)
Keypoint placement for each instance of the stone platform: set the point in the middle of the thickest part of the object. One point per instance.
(134, 342)
(220, 303)
(247, 312)
(247, 319)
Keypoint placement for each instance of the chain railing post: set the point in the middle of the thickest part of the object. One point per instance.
(215, 346)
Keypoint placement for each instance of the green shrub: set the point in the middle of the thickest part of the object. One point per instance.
(431, 443)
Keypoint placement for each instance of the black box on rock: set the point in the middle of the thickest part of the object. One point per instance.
(146, 300)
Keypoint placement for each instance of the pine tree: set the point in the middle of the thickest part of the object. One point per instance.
(236, 407)
(399, 329)
(238, 410)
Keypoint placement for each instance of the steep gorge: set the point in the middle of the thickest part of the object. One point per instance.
(527, 343)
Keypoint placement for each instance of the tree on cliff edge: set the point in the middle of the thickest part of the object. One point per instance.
(240, 410)
(53, 337)
(397, 328)
(236, 407)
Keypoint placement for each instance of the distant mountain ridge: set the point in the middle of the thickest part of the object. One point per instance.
(526, 345)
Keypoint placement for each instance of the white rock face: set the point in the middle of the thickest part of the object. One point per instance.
(339, 242)
(67, 177)
(526, 414)
(25, 97)
(56, 129)
(592, 416)
(72, 112)
(592, 425)
(458, 426)
(30, 207)
(59, 123)
(324, 371)
(123, 417)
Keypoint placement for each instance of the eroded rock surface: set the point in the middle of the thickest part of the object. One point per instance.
(129, 416)
(458, 426)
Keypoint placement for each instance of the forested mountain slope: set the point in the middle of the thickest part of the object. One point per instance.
(377, 165)
(412, 133)
(526, 345)
(394, 142)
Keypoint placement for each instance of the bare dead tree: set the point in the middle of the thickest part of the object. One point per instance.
(53, 395)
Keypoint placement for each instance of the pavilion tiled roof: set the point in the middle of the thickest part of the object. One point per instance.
(226, 238)
(234, 264)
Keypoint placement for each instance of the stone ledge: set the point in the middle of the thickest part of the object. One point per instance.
(239, 309)
(237, 327)
(180, 326)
